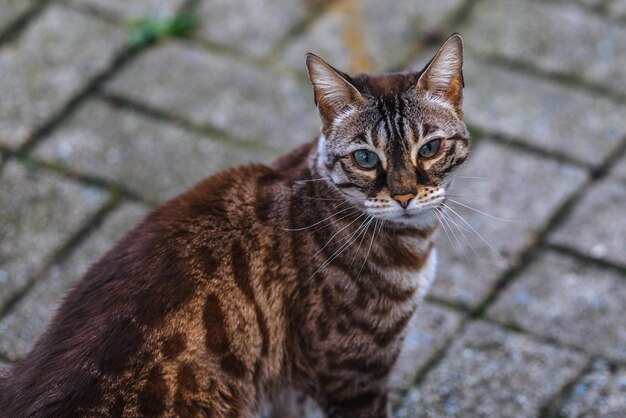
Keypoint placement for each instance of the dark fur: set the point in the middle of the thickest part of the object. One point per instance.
(216, 303)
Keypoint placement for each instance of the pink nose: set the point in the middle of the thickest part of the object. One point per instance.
(404, 199)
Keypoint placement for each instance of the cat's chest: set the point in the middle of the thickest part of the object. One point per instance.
(415, 266)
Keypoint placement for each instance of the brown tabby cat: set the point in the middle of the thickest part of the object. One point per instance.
(264, 282)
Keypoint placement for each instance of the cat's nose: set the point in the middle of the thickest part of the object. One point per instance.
(403, 199)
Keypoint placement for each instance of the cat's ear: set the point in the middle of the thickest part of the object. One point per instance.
(334, 94)
(443, 76)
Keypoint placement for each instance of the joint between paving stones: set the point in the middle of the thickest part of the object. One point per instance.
(521, 144)
(89, 89)
(301, 27)
(552, 408)
(93, 11)
(19, 25)
(611, 160)
(530, 253)
(598, 262)
(64, 251)
(433, 40)
(206, 130)
(112, 187)
(527, 256)
(568, 80)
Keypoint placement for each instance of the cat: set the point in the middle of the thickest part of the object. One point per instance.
(264, 284)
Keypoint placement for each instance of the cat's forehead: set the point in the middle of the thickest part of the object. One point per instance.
(385, 84)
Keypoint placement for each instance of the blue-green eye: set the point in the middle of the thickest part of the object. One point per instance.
(430, 149)
(365, 158)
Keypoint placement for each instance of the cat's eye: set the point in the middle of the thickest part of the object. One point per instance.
(430, 149)
(366, 159)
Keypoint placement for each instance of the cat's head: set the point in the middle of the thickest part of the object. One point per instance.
(390, 142)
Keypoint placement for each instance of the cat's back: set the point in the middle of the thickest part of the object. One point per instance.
(122, 323)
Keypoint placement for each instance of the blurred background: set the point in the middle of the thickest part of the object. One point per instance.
(109, 107)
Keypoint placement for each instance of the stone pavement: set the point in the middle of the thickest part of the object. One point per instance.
(528, 315)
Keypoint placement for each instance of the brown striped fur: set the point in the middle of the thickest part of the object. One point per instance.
(265, 283)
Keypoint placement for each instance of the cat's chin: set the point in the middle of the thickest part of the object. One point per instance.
(425, 218)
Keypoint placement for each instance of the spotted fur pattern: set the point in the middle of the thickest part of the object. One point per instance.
(263, 284)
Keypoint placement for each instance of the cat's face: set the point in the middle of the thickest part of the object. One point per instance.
(391, 142)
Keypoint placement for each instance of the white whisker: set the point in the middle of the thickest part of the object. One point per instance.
(471, 177)
(443, 226)
(351, 238)
(447, 219)
(334, 235)
(311, 180)
(376, 225)
(474, 230)
(483, 213)
(319, 222)
(369, 220)
(462, 230)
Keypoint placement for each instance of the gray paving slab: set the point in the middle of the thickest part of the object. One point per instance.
(325, 38)
(569, 301)
(40, 212)
(596, 226)
(131, 149)
(132, 9)
(10, 10)
(521, 191)
(617, 8)
(370, 30)
(29, 318)
(250, 25)
(489, 372)
(593, 4)
(565, 38)
(544, 114)
(428, 332)
(49, 64)
(601, 393)
(392, 32)
(253, 103)
(619, 170)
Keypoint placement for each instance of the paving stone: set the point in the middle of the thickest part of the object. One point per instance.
(48, 65)
(553, 36)
(40, 212)
(351, 28)
(520, 189)
(429, 330)
(619, 170)
(489, 372)
(324, 38)
(10, 10)
(29, 318)
(617, 8)
(132, 9)
(573, 302)
(592, 4)
(601, 393)
(546, 115)
(3, 366)
(405, 24)
(252, 103)
(132, 149)
(250, 25)
(596, 227)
